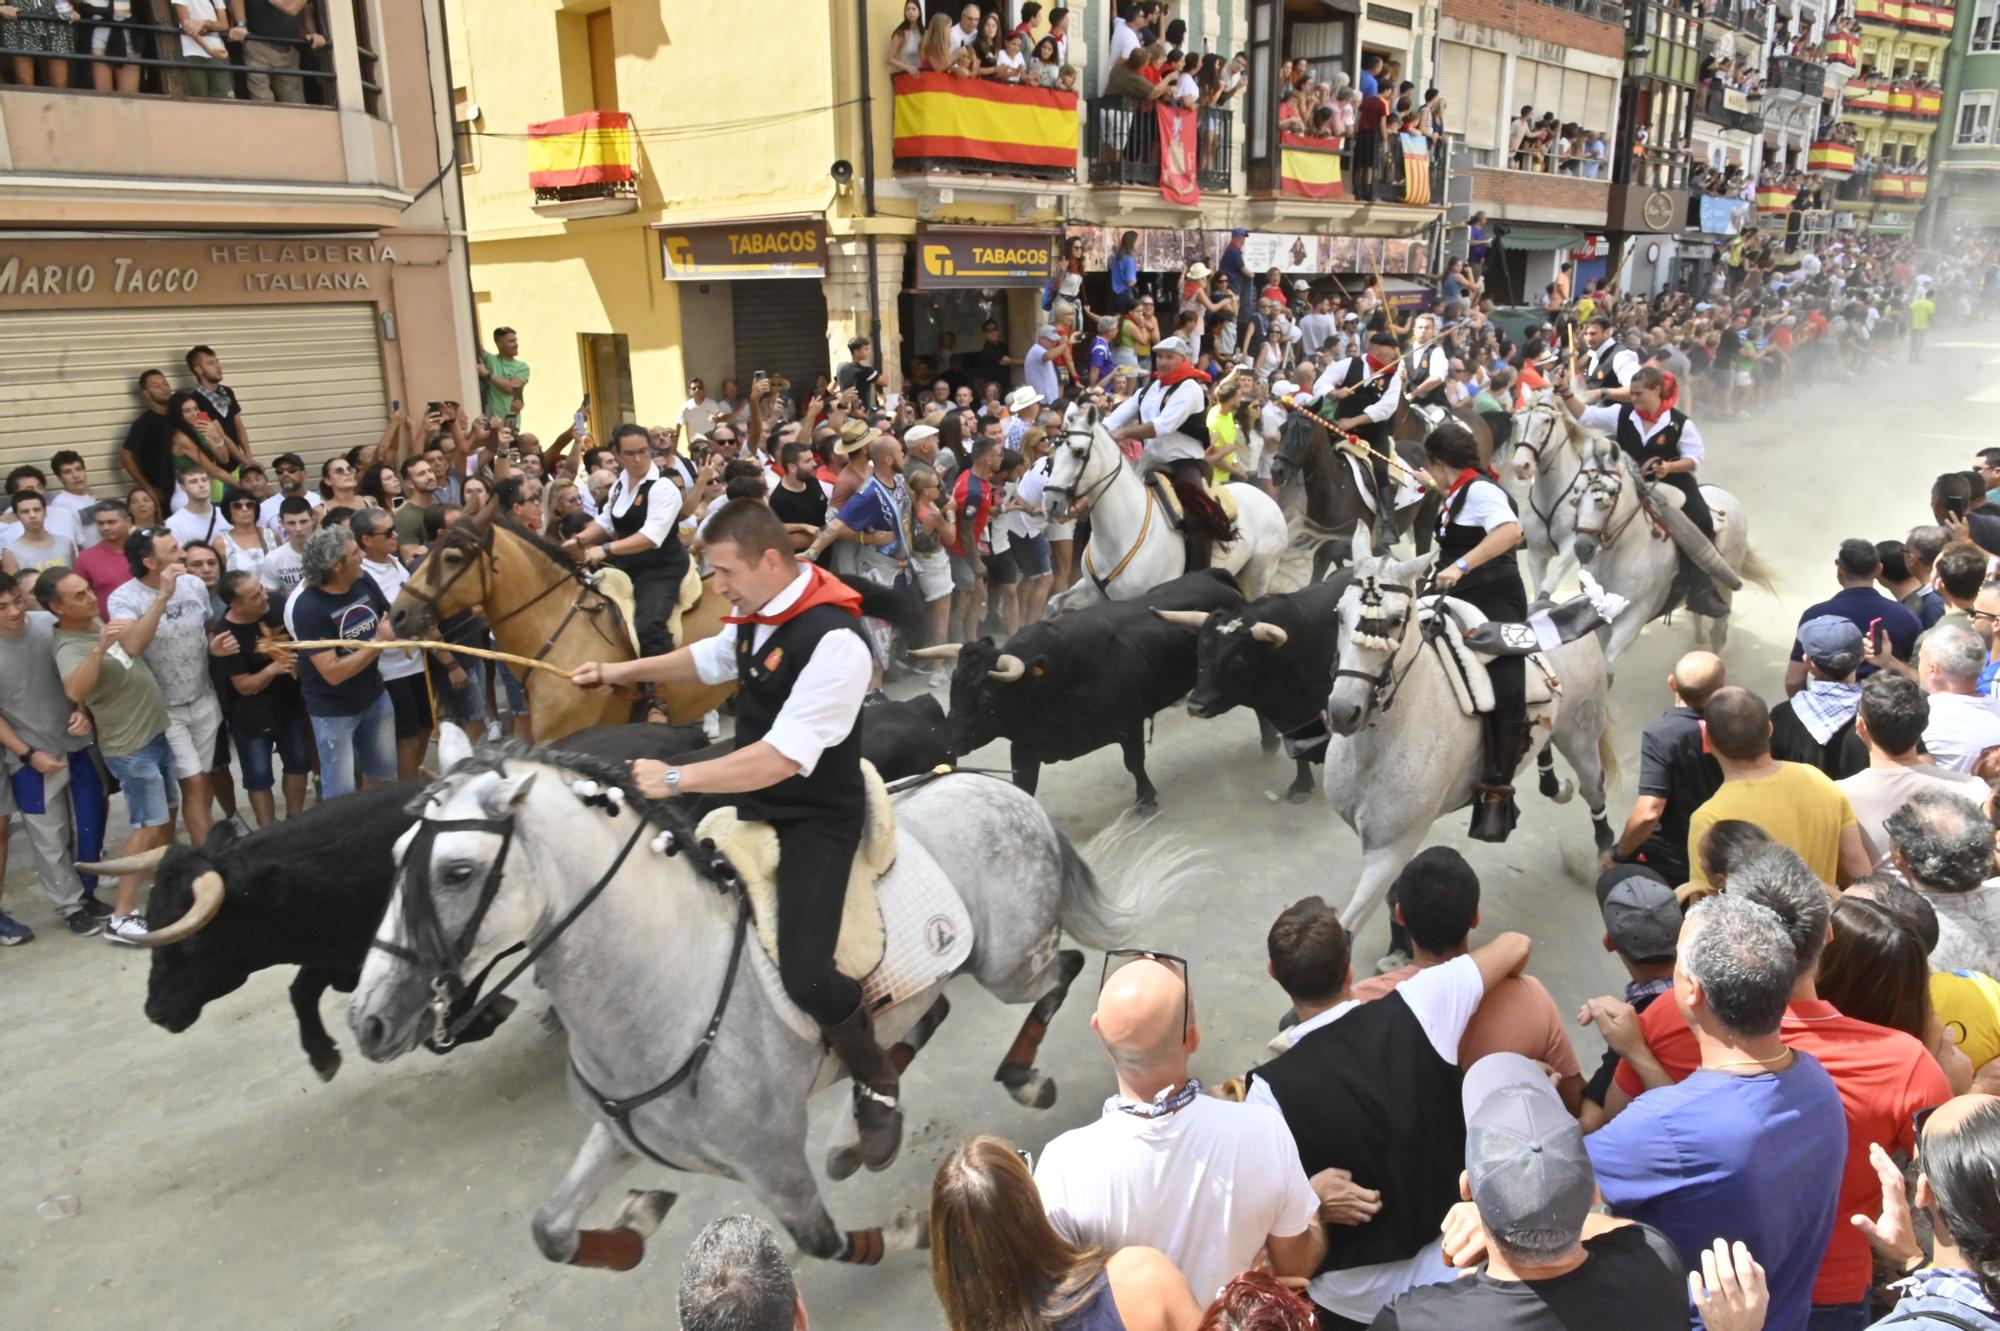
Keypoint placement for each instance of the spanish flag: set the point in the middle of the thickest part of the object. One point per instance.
(1827, 155)
(1309, 168)
(594, 148)
(1889, 187)
(941, 116)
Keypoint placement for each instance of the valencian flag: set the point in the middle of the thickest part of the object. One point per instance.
(1416, 169)
(1309, 168)
(594, 148)
(1177, 156)
(942, 116)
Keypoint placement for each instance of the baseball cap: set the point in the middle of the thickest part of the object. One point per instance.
(1640, 912)
(1178, 345)
(1048, 333)
(1524, 1155)
(1240, 231)
(1832, 643)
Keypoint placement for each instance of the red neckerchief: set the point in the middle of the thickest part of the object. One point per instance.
(1377, 366)
(822, 589)
(1465, 478)
(1176, 377)
(1670, 393)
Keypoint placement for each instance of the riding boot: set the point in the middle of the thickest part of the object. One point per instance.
(1699, 591)
(876, 1111)
(1199, 546)
(1494, 812)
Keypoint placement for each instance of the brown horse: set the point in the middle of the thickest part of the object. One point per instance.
(541, 607)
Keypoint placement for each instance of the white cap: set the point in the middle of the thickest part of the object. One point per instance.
(1178, 345)
(1284, 388)
(916, 434)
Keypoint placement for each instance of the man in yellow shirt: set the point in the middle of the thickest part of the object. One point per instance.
(1799, 806)
(1922, 309)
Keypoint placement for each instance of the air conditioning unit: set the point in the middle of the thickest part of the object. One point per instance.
(1458, 190)
(1843, 221)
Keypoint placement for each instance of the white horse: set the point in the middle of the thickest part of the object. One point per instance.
(1629, 554)
(1403, 754)
(1548, 454)
(1133, 547)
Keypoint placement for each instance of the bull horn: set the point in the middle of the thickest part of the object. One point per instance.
(1270, 633)
(1007, 669)
(1192, 619)
(124, 864)
(944, 651)
(207, 901)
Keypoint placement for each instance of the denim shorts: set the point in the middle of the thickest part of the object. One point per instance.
(293, 742)
(517, 693)
(467, 706)
(1031, 554)
(152, 792)
(351, 745)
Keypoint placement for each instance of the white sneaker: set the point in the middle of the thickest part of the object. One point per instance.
(938, 679)
(492, 732)
(126, 929)
(711, 726)
(242, 827)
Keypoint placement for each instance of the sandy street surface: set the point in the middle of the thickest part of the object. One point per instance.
(221, 1185)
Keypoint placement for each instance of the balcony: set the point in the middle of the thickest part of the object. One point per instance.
(1795, 75)
(1831, 158)
(1908, 15)
(1121, 137)
(1859, 187)
(1900, 186)
(1017, 142)
(1730, 109)
(1725, 18)
(1914, 103)
(585, 165)
(1604, 11)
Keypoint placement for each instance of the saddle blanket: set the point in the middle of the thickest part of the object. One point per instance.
(1408, 492)
(1466, 668)
(1163, 486)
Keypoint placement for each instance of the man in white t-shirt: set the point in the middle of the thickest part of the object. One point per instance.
(1128, 33)
(1962, 726)
(402, 671)
(74, 497)
(1208, 1182)
(699, 413)
(283, 568)
(200, 519)
(966, 29)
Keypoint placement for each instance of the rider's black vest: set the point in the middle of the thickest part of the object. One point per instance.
(1416, 369)
(1363, 397)
(764, 679)
(1665, 445)
(665, 555)
(1604, 374)
(1457, 539)
(1195, 426)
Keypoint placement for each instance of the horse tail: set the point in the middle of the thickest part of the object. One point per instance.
(1137, 869)
(1754, 569)
(901, 607)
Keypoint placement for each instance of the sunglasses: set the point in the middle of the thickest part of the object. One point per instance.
(1178, 965)
(242, 503)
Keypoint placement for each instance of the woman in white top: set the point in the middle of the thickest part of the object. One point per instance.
(244, 543)
(33, 546)
(905, 41)
(1009, 65)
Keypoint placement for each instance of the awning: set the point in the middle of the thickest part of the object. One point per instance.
(1540, 238)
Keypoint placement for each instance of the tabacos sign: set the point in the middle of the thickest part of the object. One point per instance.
(778, 247)
(960, 257)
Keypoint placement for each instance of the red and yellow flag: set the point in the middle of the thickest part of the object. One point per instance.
(596, 147)
(942, 116)
(1309, 168)
(1827, 155)
(1416, 169)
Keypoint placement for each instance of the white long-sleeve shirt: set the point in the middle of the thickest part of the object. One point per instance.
(1624, 361)
(1380, 410)
(825, 703)
(1604, 420)
(663, 506)
(1166, 410)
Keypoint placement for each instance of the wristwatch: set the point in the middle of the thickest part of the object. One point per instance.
(1461, 565)
(673, 782)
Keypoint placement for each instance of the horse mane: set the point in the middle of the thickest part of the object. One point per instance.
(553, 552)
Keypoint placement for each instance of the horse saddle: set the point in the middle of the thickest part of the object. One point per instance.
(616, 587)
(1163, 488)
(903, 928)
(1408, 492)
(1452, 622)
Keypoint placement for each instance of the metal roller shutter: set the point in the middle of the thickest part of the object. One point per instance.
(310, 377)
(1455, 86)
(780, 327)
(1484, 115)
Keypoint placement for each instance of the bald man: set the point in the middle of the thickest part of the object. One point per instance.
(1676, 773)
(1208, 1182)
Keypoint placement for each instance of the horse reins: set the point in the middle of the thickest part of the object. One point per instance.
(1089, 499)
(1385, 678)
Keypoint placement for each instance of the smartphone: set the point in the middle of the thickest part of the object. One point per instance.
(1956, 507)
(759, 375)
(581, 420)
(434, 408)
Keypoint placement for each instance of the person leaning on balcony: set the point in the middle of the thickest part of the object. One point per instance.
(906, 41)
(1045, 65)
(1127, 81)
(202, 28)
(942, 52)
(29, 27)
(273, 33)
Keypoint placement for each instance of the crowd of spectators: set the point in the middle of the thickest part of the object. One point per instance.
(1557, 147)
(253, 49)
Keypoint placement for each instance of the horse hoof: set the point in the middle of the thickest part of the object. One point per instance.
(907, 1231)
(843, 1160)
(326, 1064)
(1298, 796)
(643, 1211)
(552, 1022)
(1146, 806)
(1564, 792)
(1037, 1092)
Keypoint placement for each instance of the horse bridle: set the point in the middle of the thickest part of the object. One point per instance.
(1370, 592)
(455, 1006)
(1089, 496)
(479, 543)
(1604, 481)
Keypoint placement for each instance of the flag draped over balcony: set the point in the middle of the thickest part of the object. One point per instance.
(593, 148)
(1416, 169)
(1309, 168)
(942, 116)
(1828, 155)
(1178, 184)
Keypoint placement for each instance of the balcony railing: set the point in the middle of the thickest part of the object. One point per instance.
(1857, 188)
(1806, 76)
(978, 127)
(1121, 136)
(1904, 186)
(1604, 11)
(584, 165)
(1730, 109)
(1831, 158)
(1738, 15)
(165, 72)
(1911, 14)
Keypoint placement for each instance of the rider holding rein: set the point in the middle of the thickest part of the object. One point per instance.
(801, 665)
(1361, 395)
(1667, 446)
(1608, 364)
(1170, 416)
(635, 531)
(1478, 531)
(1426, 368)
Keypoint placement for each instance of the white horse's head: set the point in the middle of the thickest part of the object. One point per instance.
(1377, 613)
(1538, 425)
(1084, 458)
(1597, 498)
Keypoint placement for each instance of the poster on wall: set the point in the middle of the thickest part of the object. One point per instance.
(1286, 251)
(1339, 254)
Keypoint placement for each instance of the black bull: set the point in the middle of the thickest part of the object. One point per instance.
(310, 891)
(1069, 686)
(1277, 656)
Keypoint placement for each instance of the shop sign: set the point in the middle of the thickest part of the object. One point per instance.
(54, 274)
(735, 251)
(957, 258)
(1593, 247)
